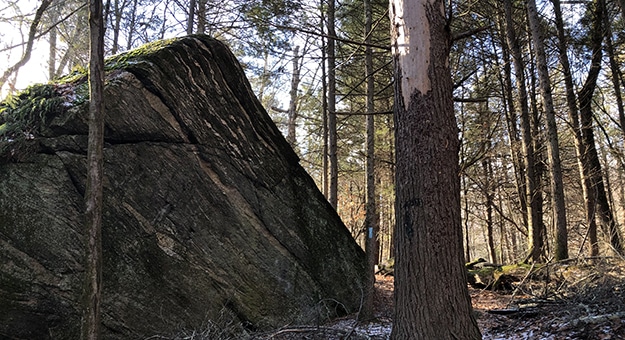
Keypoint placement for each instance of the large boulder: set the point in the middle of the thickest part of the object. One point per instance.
(207, 213)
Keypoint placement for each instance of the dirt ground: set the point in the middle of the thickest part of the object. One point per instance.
(583, 299)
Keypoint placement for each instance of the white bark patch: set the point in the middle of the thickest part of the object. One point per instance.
(413, 46)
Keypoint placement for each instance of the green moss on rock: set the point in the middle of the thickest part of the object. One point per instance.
(122, 61)
(24, 113)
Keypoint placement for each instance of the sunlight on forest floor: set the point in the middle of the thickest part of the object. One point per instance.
(571, 300)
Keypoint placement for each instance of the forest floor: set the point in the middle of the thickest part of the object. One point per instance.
(570, 300)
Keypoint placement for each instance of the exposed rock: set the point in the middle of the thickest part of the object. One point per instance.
(207, 210)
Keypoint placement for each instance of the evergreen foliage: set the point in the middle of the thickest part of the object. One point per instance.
(22, 114)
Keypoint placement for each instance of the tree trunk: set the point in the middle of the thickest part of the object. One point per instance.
(117, 11)
(591, 160)
(191, 17)
(467, 249)
(332, 133)
(539, 230)
(621, 188)
(616, 73)
(371, 220)
(291, 137)
(431, 296)
(201, 17)
(488, 194)
(324, 106)
(533, 213)
(93, 192)
(52, 57)
(131, 24)
(513, 132)
(573, 110)
(553, 150)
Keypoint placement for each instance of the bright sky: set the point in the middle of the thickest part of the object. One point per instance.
(35, 71)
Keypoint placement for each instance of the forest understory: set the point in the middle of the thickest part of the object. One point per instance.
(576, 299)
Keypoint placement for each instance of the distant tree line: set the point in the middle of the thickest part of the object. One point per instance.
(537, 95)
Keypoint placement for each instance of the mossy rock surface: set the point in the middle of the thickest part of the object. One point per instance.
(207, 210)
(484, 275)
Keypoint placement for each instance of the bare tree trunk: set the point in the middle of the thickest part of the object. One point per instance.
(467, 249)
(504, 242)
(77, 31)
(324, 106)
(53, 15)
(131, 25)
(52, 57)
(201, 17)
(616, 72)
(332, 124)
(606, 178)
(588, 140)
(513, 132)
(539, 231)
(431, 296)
(264, 77)
(191, 17)
(117, 12)
(290, 137)
(621, 188)
(557, 187)
(371, 219)
(324, 123)
(93, 192)
(571, 100)
(488, 194)
(533, 213)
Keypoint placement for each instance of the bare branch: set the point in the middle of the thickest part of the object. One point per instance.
(469, 33)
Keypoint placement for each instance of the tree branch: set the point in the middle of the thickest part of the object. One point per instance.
(29, 45)
(466, 34)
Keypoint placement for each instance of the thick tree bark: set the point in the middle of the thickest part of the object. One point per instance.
(533, 213)
(93, 193)
(431, 296)
(553, 150)
(332, 124)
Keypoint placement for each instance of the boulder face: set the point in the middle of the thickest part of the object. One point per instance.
(207, 214)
